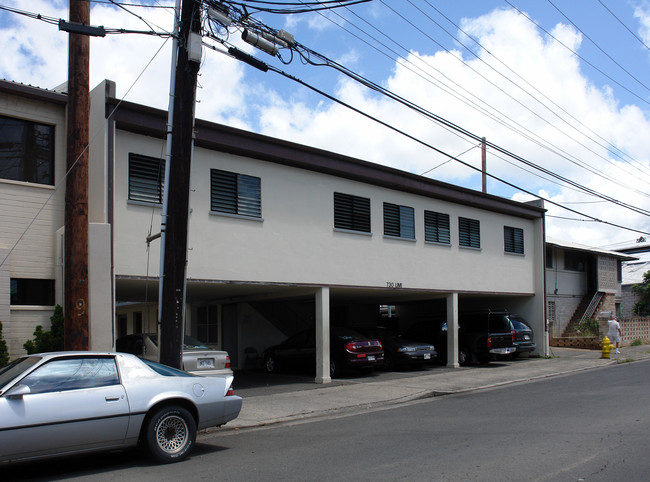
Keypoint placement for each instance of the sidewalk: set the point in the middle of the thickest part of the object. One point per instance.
(278, 402)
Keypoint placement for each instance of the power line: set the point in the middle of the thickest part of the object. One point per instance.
(645, 101)
(625, 26)
(272, 68)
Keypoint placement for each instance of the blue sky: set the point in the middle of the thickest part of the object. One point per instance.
(562, 83)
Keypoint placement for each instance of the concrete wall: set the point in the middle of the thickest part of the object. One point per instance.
(295, 242)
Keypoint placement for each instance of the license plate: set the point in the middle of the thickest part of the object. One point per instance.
(205, 363)
(427, 356)
(371, 357)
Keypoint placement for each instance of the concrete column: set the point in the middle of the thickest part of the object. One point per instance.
(452, 330)
(323, 336)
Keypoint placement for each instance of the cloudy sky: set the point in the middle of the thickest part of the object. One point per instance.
(561, 84)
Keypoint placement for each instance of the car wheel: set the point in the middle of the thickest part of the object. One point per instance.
(270, 364)
(334, 368)
(169, 434)
(463, 356)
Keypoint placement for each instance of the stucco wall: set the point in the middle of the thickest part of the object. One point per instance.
(296, 241)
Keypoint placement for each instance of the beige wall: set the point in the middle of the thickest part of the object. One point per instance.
(30, 215)
(296, 241)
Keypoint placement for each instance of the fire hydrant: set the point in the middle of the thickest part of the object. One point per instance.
(607, 347)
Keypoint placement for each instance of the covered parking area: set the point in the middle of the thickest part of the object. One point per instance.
(250, 317)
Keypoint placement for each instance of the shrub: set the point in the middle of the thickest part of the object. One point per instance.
(588, 327)
(4, 352)
(637, 343)
(51, 340)
(642, 307)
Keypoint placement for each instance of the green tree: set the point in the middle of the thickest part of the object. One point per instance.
(51, 340)
(642, 307)
(4, 352)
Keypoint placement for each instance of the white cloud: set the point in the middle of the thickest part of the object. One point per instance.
(36, 53)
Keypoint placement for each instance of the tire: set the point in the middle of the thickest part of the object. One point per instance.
(270, 364)
(334, 368)
(169, 434)
(463, 356)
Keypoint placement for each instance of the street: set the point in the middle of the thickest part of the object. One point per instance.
(592, 425)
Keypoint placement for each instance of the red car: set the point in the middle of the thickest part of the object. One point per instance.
(348, 350)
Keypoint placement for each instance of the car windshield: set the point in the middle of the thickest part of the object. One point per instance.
(499, 323)
(519, 326)
(166, 371)
(189, 344)
(345, 334)
(15, 368)
(194, 344)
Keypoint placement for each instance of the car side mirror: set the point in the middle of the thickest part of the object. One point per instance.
(17, 392)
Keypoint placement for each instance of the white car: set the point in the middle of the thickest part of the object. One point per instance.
(198, 358)
(74, 402)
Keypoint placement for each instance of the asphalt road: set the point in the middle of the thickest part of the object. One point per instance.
(592, 426)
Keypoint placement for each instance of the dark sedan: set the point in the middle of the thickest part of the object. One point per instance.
(399, 352)
(348, 349)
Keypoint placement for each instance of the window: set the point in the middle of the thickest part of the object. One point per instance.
(399, 221)
(32, 292)
(26, 151)
(619, 271)
(351, 212)
(574, 261)
(146, 179)
(234, 193)
(436, 227)
(513, 240)
(469, 233)
(72, 374)
(207, 324)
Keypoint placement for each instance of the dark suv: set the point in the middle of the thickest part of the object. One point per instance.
(483, 334)
(480, 335)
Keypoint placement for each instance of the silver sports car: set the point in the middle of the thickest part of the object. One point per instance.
(73, 402)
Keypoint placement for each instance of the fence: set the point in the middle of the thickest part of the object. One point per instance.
(635, 328)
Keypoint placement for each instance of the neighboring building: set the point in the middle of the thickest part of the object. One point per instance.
(633, 272)
(281, 236)
(581, 282)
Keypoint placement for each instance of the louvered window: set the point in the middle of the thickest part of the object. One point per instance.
(26, 151)
(513, 239)
(436, 227)
(234, 193)
(351, 212)
(469, 233)
(146, 179)
(399, 221)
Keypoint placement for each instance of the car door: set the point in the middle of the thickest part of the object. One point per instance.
(68, 404)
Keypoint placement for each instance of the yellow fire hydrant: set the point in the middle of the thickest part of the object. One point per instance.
(607, 347)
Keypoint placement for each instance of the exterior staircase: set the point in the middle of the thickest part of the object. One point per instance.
(571, 337)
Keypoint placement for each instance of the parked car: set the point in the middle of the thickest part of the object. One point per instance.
(67, 403)
(524, 336)
(481, 334)
(198, 358)
(348, 350)
(400, 352)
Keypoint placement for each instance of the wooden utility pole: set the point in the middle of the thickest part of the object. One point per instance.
(172, 316)
(76, 325)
